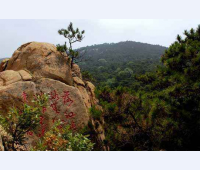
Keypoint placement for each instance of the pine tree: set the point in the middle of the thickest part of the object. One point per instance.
(73, 36)
(171, 97)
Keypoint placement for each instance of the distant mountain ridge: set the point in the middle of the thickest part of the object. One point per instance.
(105, 61)
(126, 49)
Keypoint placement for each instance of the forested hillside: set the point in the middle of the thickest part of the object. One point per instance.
(117, 63)
(164, 112)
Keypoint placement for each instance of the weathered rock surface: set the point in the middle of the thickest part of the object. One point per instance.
(42, 60)
(70, 106)
(76, 71)
(39, 67)
(9, 77)
(11, 95)
(65, 103)
(25, 75)
(84, 93)
(91, 92)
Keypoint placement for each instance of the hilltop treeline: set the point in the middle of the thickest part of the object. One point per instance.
(117, 63)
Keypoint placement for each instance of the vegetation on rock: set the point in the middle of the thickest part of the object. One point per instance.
(20, 122)
(73, 36)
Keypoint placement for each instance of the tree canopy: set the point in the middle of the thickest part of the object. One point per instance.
(164, 113)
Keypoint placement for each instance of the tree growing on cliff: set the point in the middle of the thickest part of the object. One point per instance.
(73, 36)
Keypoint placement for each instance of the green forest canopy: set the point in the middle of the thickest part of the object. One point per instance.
(164, 113)
(117, 63)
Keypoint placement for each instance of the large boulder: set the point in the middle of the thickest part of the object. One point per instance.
(39, 67)
(65, 102)
(42, 60)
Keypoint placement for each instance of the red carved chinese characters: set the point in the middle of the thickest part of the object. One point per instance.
(30, 133)
(44, 110)
(73, 125)
(43, 126)
(24, 97)
(53, 120)
(69, 115)
(67, 99)
(41, 120)
(56, 101)
(54, 95)
(59, 127)
(54, 98)
(54, 107)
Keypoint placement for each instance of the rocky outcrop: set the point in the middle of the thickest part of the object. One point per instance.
(76, 71)
(39, 67)
(87, 90)
(41, 60)
(9, 76)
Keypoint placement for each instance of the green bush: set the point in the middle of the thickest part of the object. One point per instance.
(63, 139)
(20, 121)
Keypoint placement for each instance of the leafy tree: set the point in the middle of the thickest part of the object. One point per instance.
(73, 36)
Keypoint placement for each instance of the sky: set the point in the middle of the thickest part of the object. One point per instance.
(14, 33)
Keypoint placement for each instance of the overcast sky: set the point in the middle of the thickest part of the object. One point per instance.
(14, 33)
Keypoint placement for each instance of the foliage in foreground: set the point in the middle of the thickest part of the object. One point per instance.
(62, 139)
(20, 121)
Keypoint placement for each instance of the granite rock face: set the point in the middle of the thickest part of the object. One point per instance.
(39, 67)
(41, 60)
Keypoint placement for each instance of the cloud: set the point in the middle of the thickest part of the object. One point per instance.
(14, 33)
